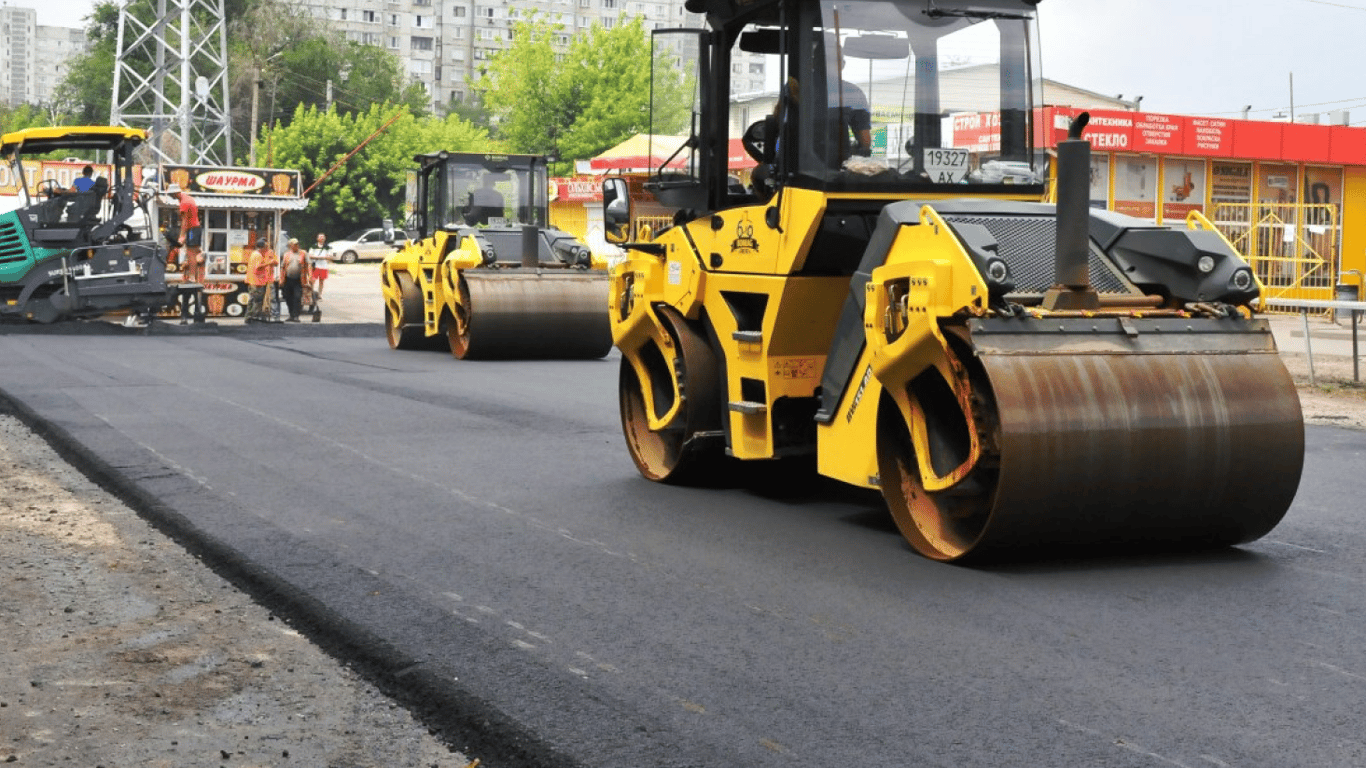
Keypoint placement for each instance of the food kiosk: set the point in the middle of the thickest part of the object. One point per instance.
(236, 206)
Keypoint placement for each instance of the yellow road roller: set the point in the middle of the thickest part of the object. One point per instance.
(484, 273)
(890, 295)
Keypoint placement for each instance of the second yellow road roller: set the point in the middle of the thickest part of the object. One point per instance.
(892, 296)
(484, 273)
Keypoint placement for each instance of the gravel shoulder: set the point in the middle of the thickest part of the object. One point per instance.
(120, 649)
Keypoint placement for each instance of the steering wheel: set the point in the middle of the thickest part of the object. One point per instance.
(49, 187)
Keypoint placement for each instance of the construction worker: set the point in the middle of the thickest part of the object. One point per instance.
(260, 275)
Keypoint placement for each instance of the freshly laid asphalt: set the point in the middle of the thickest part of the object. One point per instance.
(473, 537)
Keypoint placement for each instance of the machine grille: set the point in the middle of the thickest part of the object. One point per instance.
(12, 250)
(1027, 244)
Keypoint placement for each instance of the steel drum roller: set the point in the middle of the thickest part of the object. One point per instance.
(1101, 451)
(537, 314)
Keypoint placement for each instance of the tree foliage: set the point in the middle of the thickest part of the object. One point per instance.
(518, 87)
(23, 116)
(369, 186)
(596, 97)
(84, 95)
(276, 43)
(289, 57)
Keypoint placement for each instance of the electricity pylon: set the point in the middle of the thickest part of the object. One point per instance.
(172, 79)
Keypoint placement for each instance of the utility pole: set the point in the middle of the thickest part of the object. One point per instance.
(329, 95)
(184, 98)
(1292, 97)
(256, 85)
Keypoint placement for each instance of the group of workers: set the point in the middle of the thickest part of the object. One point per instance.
(295, 272)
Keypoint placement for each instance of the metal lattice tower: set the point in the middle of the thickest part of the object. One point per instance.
(172, 79)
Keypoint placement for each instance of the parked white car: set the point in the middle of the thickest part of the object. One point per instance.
(367, 245)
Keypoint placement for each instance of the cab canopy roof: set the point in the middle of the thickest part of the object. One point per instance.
(56, 139)
(491, 162)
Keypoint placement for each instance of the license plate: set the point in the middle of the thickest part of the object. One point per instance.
(946, 166)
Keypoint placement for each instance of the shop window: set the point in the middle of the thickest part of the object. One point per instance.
(1183, 188)
(1136, 186)
(1230, 190)
(1277, 184)
(1100, 181)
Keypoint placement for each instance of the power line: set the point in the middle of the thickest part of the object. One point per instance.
(1337, 5)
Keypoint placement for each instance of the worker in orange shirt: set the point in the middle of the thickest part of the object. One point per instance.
(191, 235)
(261, 264)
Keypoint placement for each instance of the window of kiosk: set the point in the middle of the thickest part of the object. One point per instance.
(241, 233)
(216, 263)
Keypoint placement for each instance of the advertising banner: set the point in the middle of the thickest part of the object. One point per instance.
(200, 179)
(1120, 131)
(1209, 136)
(61, 171)
(576, 189)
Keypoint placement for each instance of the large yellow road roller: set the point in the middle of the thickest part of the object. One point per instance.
(484, 274)
(890, 295)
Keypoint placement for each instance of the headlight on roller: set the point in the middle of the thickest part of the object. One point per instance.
(998, 271)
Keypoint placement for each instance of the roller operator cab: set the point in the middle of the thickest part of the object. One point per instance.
(66, 254)
(484, 273)
(890, 295)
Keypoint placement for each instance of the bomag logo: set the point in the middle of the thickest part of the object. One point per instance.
(744, 237)
(858, 396)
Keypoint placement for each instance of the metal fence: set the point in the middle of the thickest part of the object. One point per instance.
(1292, 247)
(649, 226)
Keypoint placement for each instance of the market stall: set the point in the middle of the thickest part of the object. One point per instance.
(236, 205)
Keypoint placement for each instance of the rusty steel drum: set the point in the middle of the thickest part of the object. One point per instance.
(1105, 435)
(559, 314)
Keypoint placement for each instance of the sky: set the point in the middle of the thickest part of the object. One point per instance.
(1212, 57)
(1199, 57)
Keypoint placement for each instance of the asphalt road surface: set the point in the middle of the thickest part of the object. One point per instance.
(474, 536)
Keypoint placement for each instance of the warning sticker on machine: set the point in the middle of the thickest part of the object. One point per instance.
(796, 368)
(675, 273)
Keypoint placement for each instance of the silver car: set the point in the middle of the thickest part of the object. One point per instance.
(367, 244)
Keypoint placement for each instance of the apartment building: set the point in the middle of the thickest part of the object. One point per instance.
(442, 43)
(33, 58)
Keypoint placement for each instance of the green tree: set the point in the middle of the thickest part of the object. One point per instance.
(361, 76)
(518, 87)
(469, 110)
(84, 95)
(273, 42)
(368, 186)
(595, 98)
(286, 58)
(23, 116)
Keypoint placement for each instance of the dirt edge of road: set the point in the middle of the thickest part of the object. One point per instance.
(439, 727)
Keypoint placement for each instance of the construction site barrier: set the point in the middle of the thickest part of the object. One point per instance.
(1304, 306)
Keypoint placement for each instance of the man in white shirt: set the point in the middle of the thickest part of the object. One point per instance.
(321, 257)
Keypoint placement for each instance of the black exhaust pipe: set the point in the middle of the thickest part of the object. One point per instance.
(1072, 289)
(531, 246)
